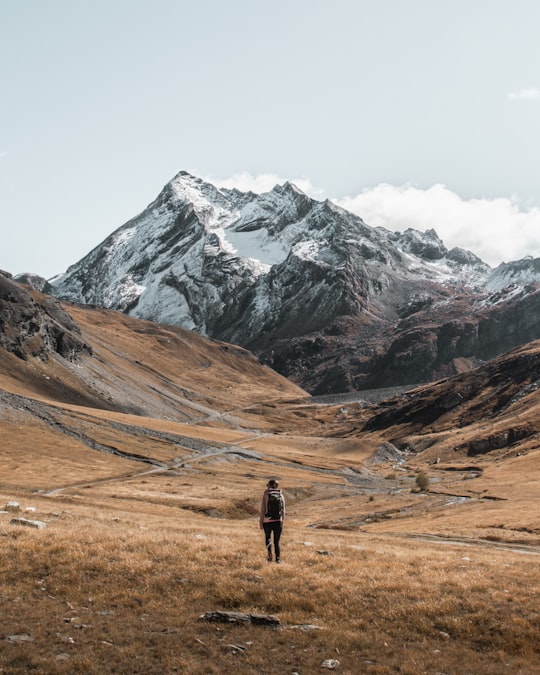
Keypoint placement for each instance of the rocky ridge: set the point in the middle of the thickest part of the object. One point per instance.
(39, 327)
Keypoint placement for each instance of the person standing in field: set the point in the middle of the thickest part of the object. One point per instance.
(272, 517)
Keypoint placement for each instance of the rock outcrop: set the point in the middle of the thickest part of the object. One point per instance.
(36, 325)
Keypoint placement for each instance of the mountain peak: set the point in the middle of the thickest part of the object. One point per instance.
(184, 180)
(206, 199)
(299, 282)
(291, 187)
(426, 244)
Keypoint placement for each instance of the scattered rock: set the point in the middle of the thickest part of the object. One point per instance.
(305, 627)
(37, 524)
(241, 617)
(14, 507)
(20, 637)
(386, 452)
(331, 664)
(322, 552)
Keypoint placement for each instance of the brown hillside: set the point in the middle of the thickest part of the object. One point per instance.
(144, 449)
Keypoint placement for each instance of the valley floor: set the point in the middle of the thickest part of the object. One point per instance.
(141, 463)
(140, 542)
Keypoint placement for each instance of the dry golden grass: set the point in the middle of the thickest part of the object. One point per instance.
(133, 554)
(110, 590)
(147, 461)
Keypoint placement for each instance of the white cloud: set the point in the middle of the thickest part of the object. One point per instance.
(496, 230)
(527, 94)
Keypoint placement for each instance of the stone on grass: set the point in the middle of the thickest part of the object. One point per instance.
(305, 627)
(13, 507)
(37, 524)
(20, 637)
(241, 617)
(331, 664)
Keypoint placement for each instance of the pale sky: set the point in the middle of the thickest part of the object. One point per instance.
(412, 113)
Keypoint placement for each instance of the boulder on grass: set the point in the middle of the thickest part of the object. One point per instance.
(38, 524)
(241, 617)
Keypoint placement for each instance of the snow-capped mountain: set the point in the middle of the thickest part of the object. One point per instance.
(305, 284)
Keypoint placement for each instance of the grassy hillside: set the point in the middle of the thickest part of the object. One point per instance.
(146, 458)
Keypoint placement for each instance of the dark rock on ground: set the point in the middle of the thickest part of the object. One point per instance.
(241, 617)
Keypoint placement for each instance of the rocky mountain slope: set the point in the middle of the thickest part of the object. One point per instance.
(39, 328)
(138, 368)
(310, 288)
(106, 360)
(494, 408)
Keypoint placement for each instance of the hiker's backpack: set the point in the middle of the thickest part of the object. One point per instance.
(275, 505)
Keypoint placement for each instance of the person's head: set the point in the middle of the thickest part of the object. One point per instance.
(273, 483)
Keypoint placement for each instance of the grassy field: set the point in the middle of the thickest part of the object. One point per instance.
(118, 580)
(146, 461)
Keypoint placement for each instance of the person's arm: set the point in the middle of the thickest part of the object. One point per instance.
(283, 510)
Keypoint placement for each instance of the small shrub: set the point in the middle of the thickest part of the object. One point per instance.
(422, 481)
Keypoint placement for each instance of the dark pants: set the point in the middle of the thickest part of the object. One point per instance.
(275, 528)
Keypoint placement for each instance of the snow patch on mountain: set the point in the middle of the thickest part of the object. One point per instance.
(306, 250)
(519, 272)
(257, 245)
